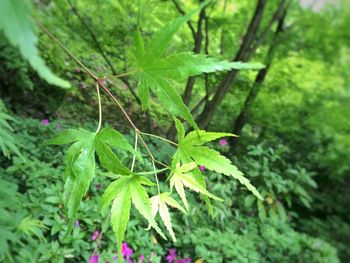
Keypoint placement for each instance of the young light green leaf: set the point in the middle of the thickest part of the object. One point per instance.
(120, 215)
(109, 160)
(179, 187)
(159, 203)
(19, 29)
(182, 177)
(212, 160)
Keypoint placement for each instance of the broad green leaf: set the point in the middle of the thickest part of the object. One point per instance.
(169, 96)
(159, 203)
(160, 40)
(19, 28)
(125, 190)
(108, 159)
(113, 190)
(214, 161)
(72, 154)
(120, 215)
(141, 201)
(84, 170)
(139, 46)
(117, 140)
(183, 65)
(201, 137)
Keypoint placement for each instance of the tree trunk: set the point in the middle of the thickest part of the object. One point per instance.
(198, 39)
(249, 44)
(242, 118)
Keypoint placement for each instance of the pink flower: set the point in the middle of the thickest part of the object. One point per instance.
(223, 142)
(201, 167)
(141, 258)
(126, 251)
(93, 258)
(77, 70)
(45, 122)
(171, 256)
(95, 235)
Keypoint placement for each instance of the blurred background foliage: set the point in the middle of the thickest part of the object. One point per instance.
(294, 144)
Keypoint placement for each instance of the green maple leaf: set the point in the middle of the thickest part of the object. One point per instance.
(80, 168)
(18, 26)
(160, 204)
(182, 177)
(191, 149)
(124, 191)
(161, 73)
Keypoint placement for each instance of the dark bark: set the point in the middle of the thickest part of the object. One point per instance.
(220, 91)
(243, 116)
(249, 44)
(182, 12)
(198, 39)
(186, 97)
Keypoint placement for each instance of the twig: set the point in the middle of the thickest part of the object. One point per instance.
(135, 148)
(159, 137)
(99, 108)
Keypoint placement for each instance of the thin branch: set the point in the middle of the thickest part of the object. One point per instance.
(100, 49)
(156, 176)
(101, 84)
(159, 137)
(99, 108)
(68, 52)
(135, 149)
(182, 12)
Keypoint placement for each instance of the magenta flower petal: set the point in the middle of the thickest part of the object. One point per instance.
(93, 258)
(171, 256)
(201, 167)
(223, 142)
(126, 251)
(95, 235)
(45, 122)
(141, 258)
